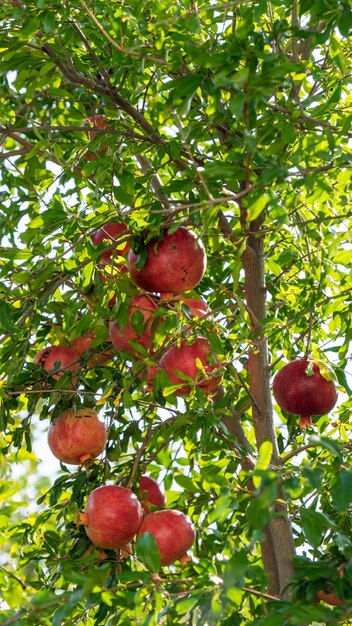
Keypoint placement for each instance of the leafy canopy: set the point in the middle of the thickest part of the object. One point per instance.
(233, 118)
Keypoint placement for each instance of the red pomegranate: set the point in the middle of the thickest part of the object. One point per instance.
(175, 264)
(184, 358)
(110, 232)
(120, 337)
(112, 516)
(77, 436)
(67, 357)
(173, 532)
(329, 597)
(303, 392)
(99, 121)
(197, 307)
(150, 493)
(40, 358)
(82, 346)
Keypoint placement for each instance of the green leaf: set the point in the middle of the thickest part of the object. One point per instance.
(148, 551)
(327, 443)
(256, 205)
(187, 604)
(235, 570)
(341, 490)
(6, 316)
(264, 458)
(314, 475)
(141, 258)
(314, 526)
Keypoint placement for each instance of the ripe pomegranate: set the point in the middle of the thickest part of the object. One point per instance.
(184, 358)
(173, 532)
(298, 391)
(197, 307)
(175, 264)
(40, 358)
(329, 597)
(82, 345)
(112, 516)
(110, 232)
(120, 337)
(77, 436)
(150, 492)
(66, 356)
(99, 121)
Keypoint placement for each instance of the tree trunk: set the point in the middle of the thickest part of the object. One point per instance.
(278, 546)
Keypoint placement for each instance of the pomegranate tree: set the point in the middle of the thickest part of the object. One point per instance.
(150, 493)
(173, 532)
(299, 388)
(174, 264)
(64, 358)
(112, 516)
(185, 359)
(121, 337)
(77, 436)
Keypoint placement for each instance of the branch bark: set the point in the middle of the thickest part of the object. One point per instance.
(278, 546)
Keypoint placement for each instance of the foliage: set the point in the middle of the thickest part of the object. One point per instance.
(233, 118)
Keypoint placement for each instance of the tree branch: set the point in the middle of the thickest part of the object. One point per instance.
(158, 60)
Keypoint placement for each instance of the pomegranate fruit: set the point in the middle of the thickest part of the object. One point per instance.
(68, 359)
(99, 121)
(329, 597)
(173, 532)
(175, 264)
(40, 358)
(82, 345)
(77, 436)
(184, 359)
(120, 337)
(150, 493)
(302, 392)
(112, 516)
(197, 307)
(110, 232)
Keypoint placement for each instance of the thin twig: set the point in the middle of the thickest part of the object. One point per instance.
(153, 59)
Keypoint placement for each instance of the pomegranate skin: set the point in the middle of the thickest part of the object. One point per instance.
(120, 338)
(329, 598)
(184, 359)
(82, 344)
(77, 436)
(150, 492)
(110, 232)
(173, 532)
(112, 516)
(300, 394)
(41, 356)
(197, 307)
(175, 264)
(67, 357)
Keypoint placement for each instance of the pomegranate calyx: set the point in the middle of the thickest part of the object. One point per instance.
(305, 421)
(84, 458)
(82, 519)
(184, 559)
